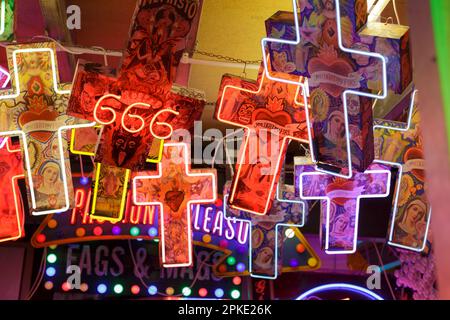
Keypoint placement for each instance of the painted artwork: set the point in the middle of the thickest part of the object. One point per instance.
(109, 192)
(7, 8)
(267, 232)
(159, 35)
(84, 140)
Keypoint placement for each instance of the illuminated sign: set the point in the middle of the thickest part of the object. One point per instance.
(340, 202)
(11, 170)
(339, 291)
(271, 115)
(77, 225)
(400, 145)
(340, 68)
(174, 187)
(138, 222)
(35, 109)
(127, 269)
(272, 232)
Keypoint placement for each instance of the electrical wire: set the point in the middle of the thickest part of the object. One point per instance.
(394, 4)
(384, 271)
(221, 140)
(39, 275)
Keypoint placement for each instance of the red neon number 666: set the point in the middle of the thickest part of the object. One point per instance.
(100, 108)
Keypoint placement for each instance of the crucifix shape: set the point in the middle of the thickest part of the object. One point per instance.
(272, 116)
(139, 106)
(334, 48)
(266, 233)
(11, 209)
(400, 145)
(35, 109)
(174, 188)
(340, 203)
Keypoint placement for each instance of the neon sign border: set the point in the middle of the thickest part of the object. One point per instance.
(350, 287)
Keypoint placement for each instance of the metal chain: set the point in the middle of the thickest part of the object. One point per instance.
(226, 58)
(222, 57)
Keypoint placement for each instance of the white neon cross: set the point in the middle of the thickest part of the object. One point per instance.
(399, 180)
(249, 224)
(296, 42)
(328, 199)
(24, 138)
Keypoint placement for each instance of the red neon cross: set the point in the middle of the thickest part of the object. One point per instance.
(174, 188)
(340, 203)
(11, 209)
(271, 115)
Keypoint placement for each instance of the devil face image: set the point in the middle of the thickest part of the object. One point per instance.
(124, 146)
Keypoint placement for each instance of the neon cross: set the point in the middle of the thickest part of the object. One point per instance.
(399, 144)
(272, 116)
(290, 216)
(37, 113)
(340, 203)
(174, 188)
(316, 147)
(11, 209)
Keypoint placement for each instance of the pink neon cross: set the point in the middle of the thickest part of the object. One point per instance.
(174, 187)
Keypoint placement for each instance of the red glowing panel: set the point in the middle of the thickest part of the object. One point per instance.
(174, 188)
(11, 209)
(271, 114)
